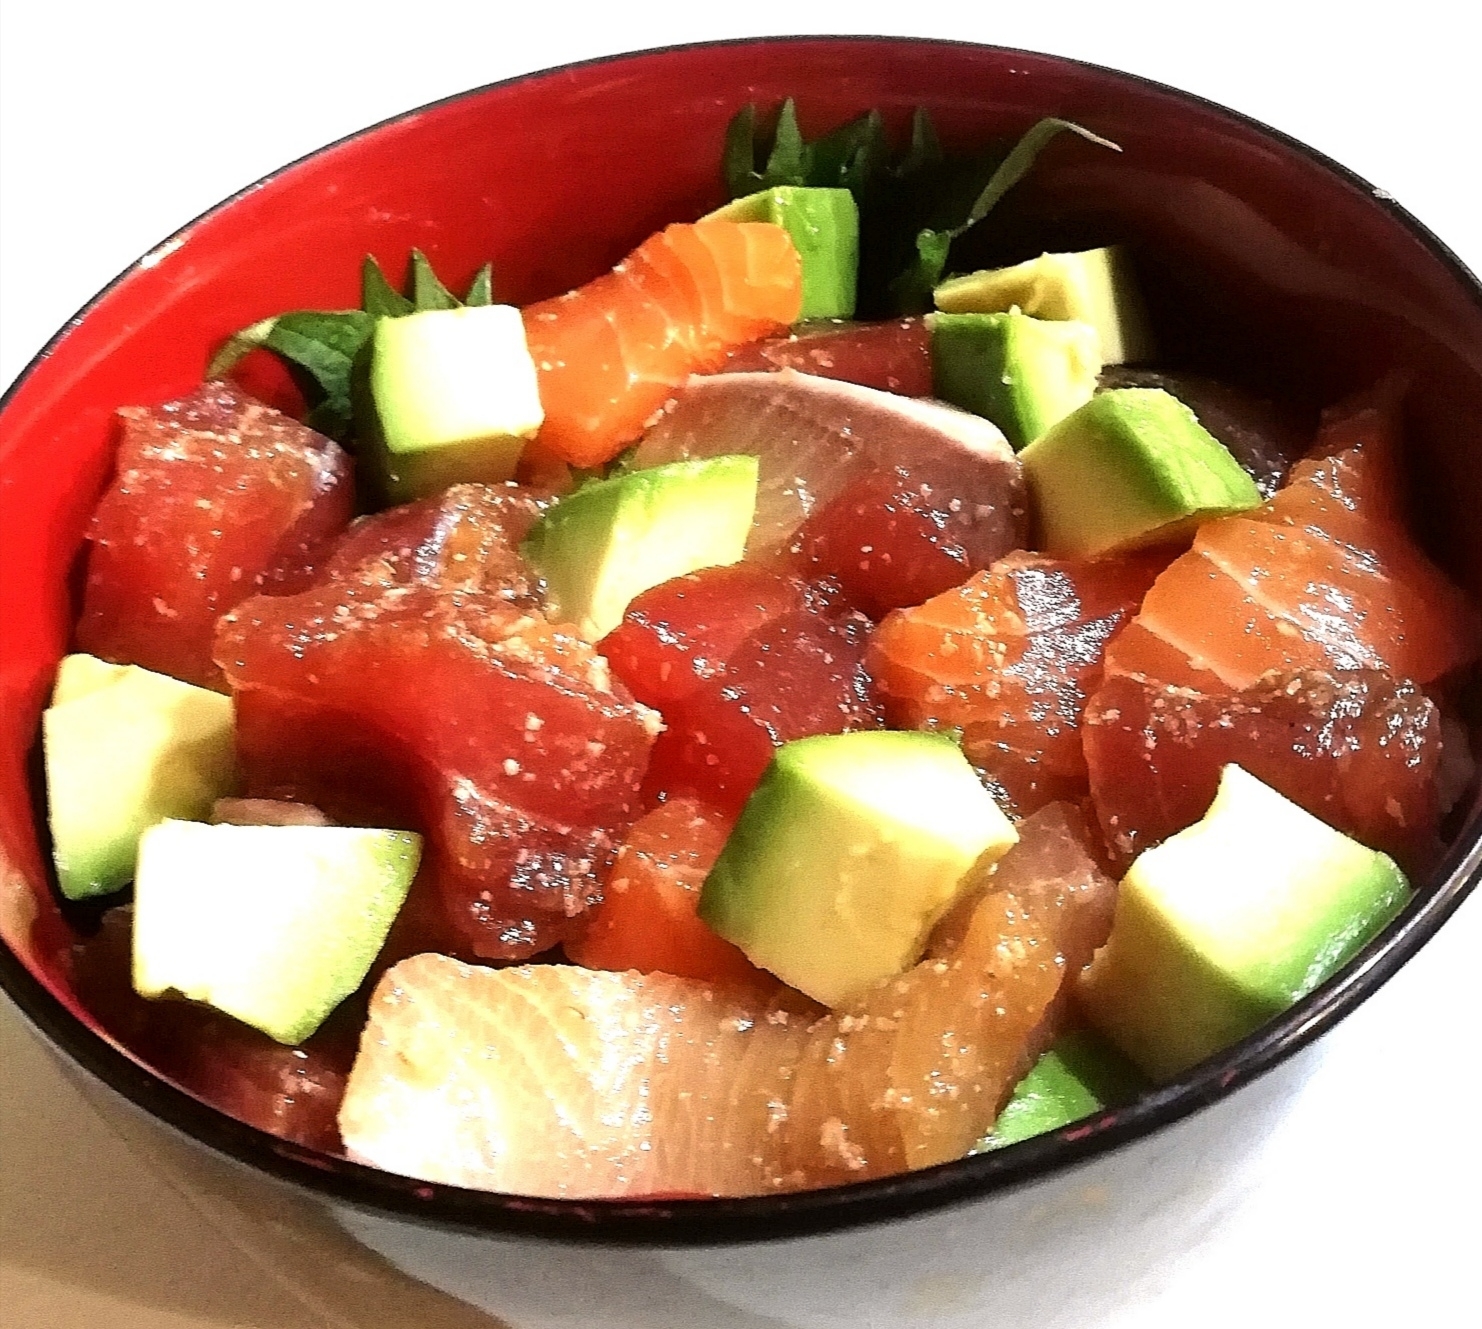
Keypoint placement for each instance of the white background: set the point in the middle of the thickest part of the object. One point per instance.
(121, 121)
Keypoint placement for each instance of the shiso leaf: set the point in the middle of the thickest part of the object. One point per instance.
(323, 344)
(427, 291)
(377, 295)
(481, 289)
(913, 287)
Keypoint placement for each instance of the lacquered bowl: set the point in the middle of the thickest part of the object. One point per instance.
(1263, 262)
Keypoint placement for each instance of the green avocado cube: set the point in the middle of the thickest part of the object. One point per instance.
(454, 395)
(824, 225)
(1080, 1075)
(604, 545)
(1228, 923)
(123, 749)
(1132, 467)
(1024, 374)
(273, 925)
(1094, 286)
(849, 850)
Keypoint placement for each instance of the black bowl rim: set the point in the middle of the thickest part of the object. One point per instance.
(759, 1219)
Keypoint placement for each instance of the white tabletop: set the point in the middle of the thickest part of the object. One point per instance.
(120, 122)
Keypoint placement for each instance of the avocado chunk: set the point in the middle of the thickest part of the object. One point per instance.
(613, 539)
(1024, 374)
(1132, 467)
(1229, 922)
(846, 854)
(126, 748)
(1081, 1074)
(1095, 286)
(274, 925)
(454, 395)
(824, 225)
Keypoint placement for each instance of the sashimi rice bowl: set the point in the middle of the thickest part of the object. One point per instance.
(892, 635)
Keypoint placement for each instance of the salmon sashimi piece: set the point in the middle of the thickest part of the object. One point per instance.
(559, 1081)
(216, 497)
(1009, 658)
(815, 436)
(609, 354)
(1322, 576)
(1357, 749)
(648, 919)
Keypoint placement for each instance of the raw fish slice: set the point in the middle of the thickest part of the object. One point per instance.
(798, 674)
(1008, 657)
(216, 497)
(814, 436)
(558, 1081)
(1356, 749)
(647, 919)
(894, 356)
(681, 631)
(611, 353)
(1322, 576)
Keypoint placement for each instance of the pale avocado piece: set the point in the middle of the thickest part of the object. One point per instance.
(1229, 922)
(79, 674)
(824, 225)
(1080, 1075)
(611, 540)
(1132, 467)
(120, 756)
(1095, 286)
(454, 397)
(846, 854)
(274, 925)
(1024, 374)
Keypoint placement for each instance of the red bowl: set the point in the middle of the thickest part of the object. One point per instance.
(1263, 262)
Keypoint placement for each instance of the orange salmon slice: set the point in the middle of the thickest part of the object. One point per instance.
(611, 353)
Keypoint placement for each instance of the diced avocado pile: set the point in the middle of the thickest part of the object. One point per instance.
(272, 924)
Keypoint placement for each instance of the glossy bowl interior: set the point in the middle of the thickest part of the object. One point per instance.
(1263, 263)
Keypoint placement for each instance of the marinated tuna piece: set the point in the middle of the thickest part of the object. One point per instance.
(797, 674)
(894, 356)
(647, 919)
(463, 540)
(1358, 750)
(680, 632)
(291, 1092)
(1323, 576)
(611, 353)
(393, 694)
(815, 436)
(216, 497)
(1264, 436)
(558, 1081)
(1009, 658)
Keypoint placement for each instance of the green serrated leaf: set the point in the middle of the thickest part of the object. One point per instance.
(925, 149)
(237, 346)
(787, 163)
(377, 295)
(428, 292)
(738, 160)
(1021, 157)
(913, 287)
(323, 344)
(481, 289)
(850, 156)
